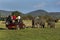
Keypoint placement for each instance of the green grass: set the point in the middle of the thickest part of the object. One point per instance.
(31, 33)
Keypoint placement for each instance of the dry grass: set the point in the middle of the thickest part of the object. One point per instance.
(28, 23)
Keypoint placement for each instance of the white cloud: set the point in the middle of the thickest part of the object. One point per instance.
(40, 5)
(58, 3)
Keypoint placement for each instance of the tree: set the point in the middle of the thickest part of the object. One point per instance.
(16, 13)
(0, 14)
(24, 17)
(29, 16)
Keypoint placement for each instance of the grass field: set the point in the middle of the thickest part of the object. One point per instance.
(31, 33)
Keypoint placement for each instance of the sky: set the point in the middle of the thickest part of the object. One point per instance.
(26, 6)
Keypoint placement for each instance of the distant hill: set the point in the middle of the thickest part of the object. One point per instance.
(33, 13)
(43, 12)
(57, 14)
(6, 13)
(38, 13)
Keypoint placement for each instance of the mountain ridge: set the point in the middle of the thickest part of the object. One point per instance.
(33, 13)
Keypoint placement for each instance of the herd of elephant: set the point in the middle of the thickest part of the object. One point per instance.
(36, 22)
(42, 22)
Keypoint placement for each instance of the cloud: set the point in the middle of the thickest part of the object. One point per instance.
(58, 3)
(40, 5)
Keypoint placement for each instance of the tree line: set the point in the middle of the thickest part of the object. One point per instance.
(29, 17)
